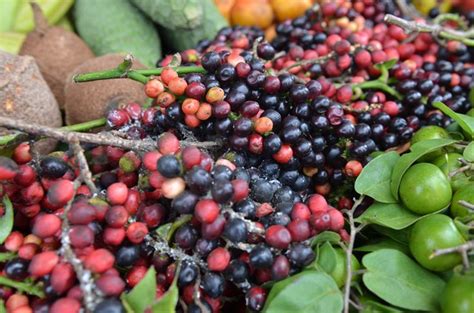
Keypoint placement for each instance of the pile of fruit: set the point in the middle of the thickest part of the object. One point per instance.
(328, 170)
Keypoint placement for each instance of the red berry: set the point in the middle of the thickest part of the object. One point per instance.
(116, 216)
(81, 214)
(14, 241)
(60, 193)
(317, 203)
(151, 215)
(117, 193)
(26, 175)
(81, 236)
(218, 259)
(344, 94)
(110, 285)
(280, 268)
(337, 219)
(8, 168)
(191, 156)
(213, 230)
(62, 277)
(284, 154)
(255, 143)
(278, 236)
(241, 189)
(300, 211)
(28, 251)
(66, 305)
(99, 261)
(153, 88)
(172, 187)
(114, 236)
(363, 58)
(150, 160)
(168, 74)
(136, 274)
(46, 225)
(117, 118)
(206, 210)
(21, 154)
(168, 143)
(43, 263)
(32, 194)
(299, 230)
(353, 168)
(255, 298)
(321, 221)
(391, 108)
(136, 232)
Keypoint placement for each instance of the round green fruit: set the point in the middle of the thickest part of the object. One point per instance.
(425, 189)
(428, 133)
(465, 193)
(434, 232)
(458, 295)
(449, 162)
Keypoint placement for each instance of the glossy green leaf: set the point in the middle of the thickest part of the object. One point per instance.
(325, 236)
(471, 96)
(143, 294)
(405, 161)
(399, 280)
(327, 257)
(384, 243)
(27, 286)
(307, 292)
(391, 215)
(374, 180)
(401, 236)
(386, 65)
(6, 221)
(468, 153)
(167, 231)
(167, 303)
(7, 256)
(466, 122)
(371, 306)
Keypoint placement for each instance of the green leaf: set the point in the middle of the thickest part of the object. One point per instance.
(391, 215)
(466, 122)
(471, 96)
(307, 292)
(405, 161)
(386, 65)
(401, 236)
(7, 256)
(327, 257)
(6, 221)
(468, 153)
(167, 303)
(371, 306)
(374, 180)
(166, 231)
(2, 307)
(29, 287)
(325, 236)
(384, 243)
(400, 281)
(143, 294)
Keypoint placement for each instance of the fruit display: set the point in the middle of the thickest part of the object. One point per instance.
(330, 169)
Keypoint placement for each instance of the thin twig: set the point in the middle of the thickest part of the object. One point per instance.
(436, 30)
(460, 170)
(99, 139)
(349, 249)
(461, 249)
(91, 295)
(86, 174)
(466, 204)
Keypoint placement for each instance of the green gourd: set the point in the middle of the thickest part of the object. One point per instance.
(116, 26)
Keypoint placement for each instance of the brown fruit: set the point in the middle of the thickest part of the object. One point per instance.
(91, 100)
(57, 52)
(24, 94)
(252, 13)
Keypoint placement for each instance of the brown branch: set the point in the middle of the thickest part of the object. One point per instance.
(461, 249)
(435, 29)
(99, 139)
(350, 247)
(86, 174)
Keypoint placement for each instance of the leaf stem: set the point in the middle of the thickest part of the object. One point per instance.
(350, 247)
(31, 289)
(377, 84)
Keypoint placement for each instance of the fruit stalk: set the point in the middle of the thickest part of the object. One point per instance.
(100, 139)
(350, 246)
(435, 30)
(461, 249)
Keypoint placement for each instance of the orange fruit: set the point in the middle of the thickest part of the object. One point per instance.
(225, 6)
(285, 9)
(270, 33)
(252, 13)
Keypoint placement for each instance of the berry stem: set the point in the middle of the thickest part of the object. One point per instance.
(4, 140)
(85, 173)
(28, 288)
(350, 246)
(104, 138)
(461, 249)
(376, 84)
(436, 30)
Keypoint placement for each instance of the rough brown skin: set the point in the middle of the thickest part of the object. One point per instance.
(57, 52)
(24, 94)
(91, 100)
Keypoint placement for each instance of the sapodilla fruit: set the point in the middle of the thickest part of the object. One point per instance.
(56, 50)
(91, 100)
